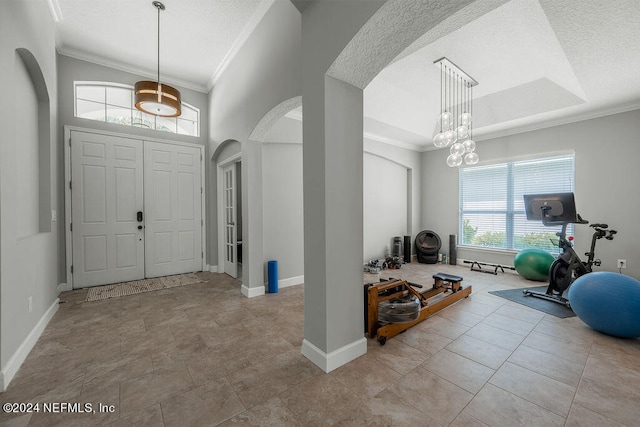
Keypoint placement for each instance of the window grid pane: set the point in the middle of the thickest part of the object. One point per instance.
(120, 97)
(90, 110)
(91, 93)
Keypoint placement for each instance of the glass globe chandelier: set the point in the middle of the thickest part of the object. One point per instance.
(455, 119)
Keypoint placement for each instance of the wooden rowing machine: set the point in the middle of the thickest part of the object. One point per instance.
(447, 289)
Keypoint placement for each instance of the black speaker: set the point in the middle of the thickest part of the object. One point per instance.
(452, 249)
(407, 248)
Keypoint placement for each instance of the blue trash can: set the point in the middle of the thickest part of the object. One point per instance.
(273, 277)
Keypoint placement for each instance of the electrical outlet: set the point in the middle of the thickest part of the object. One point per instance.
(622, 263)
(30, 304)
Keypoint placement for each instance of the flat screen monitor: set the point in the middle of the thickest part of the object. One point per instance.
(551, 208)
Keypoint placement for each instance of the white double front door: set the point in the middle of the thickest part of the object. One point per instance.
(136, 209)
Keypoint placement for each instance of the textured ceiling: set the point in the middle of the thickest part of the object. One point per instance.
(537, 63)
(196, 35)
(397, 23)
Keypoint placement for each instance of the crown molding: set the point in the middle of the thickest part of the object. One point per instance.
(395, 142)
(246, 32)
(488, 135)
(589, 115)
(56, 12)
(98, 60)
(296, 114)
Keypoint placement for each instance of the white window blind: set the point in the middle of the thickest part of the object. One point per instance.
(492, 207)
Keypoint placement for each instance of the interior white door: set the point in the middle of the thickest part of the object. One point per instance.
(230, 220)
(106, 194)
(173, 200)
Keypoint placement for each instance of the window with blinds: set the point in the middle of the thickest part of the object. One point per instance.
(492, 211)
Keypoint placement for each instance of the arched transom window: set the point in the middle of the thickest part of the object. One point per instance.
(113, 103)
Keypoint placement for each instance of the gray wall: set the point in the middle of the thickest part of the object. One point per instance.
(391, 196)
(606, 184)
(385, 205)
(400, 158)
(283, 208)
(264, 73)
(29, 265)
(70, 70)
(283, 198)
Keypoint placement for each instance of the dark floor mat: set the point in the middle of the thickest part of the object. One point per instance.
(539, 304)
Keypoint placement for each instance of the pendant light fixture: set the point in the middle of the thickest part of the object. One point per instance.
(154, 97)
(456, 107)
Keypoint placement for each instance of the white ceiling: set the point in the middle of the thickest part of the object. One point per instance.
(197, 36)
(538, 62)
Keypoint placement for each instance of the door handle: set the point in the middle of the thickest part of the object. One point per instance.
(139, 216)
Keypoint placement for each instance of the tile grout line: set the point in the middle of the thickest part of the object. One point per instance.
(523, 367)
(580, 382)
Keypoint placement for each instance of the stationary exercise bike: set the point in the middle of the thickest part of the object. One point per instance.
(568, 266)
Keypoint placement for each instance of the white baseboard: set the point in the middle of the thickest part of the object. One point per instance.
(291, 281)
(213, 269)
(14, 363)
(64, 287)
(252, 292)
(337, 358)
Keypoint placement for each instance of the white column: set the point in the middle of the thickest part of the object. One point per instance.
(252, 247)
(332, 170)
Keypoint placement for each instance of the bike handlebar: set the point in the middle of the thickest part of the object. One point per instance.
(581, 220)
(599, 225)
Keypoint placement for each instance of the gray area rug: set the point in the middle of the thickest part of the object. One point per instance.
(539, 304)
(140, 286)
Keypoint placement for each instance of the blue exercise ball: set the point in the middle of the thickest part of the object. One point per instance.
(608, 302)
(533, 264)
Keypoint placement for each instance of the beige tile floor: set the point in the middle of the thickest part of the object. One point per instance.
(205, 355)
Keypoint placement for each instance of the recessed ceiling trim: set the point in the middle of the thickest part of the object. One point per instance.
(395, 142)
(578, 117)
(98, 60)
(248, 29)
(296, 114)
